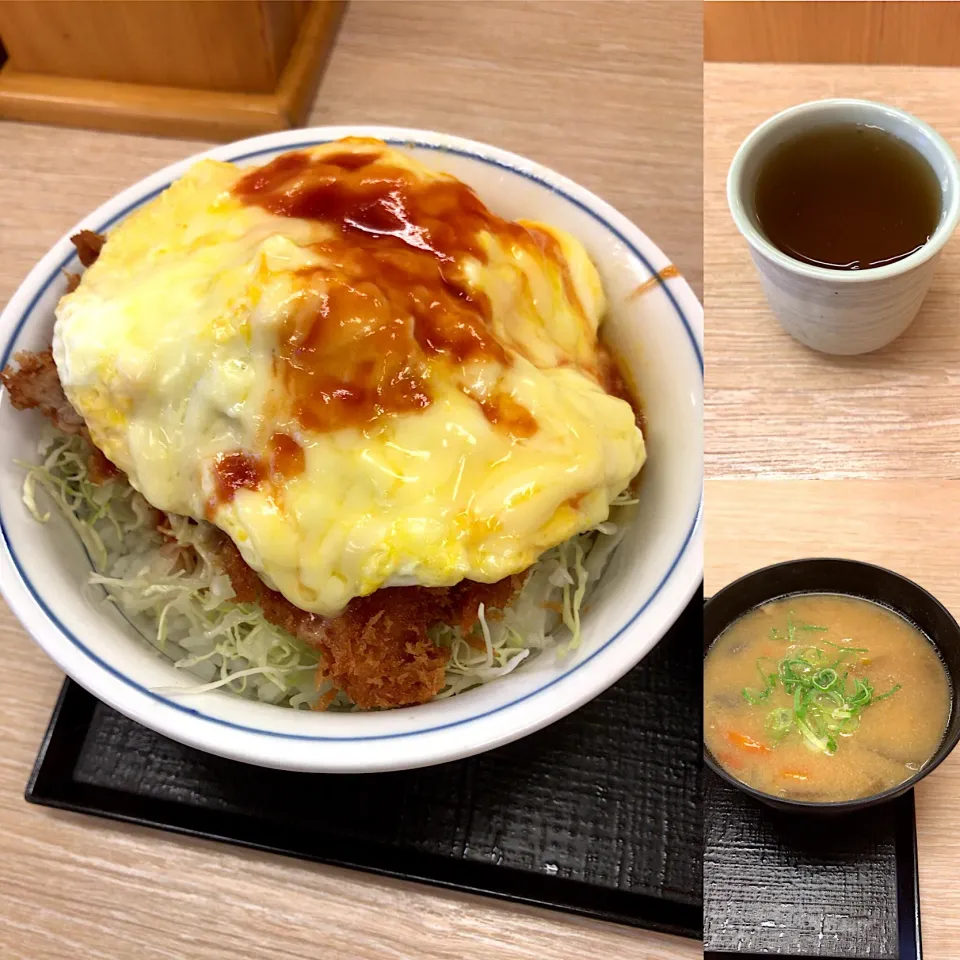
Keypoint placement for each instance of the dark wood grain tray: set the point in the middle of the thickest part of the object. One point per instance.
(784, 885)
(599, 814)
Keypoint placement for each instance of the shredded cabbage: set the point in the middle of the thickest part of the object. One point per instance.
(167, 583)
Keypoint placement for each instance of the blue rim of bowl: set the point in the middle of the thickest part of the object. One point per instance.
(76, 642)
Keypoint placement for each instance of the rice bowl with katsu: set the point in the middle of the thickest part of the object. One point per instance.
(333, 434)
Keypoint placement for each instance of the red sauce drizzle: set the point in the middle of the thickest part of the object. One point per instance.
(236, 471)
(667, 273)
(392, 304)
(389, 305)
(503, 411)
(610, 377)
(352, 159)
(285, 459)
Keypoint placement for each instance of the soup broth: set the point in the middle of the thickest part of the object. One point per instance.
(822, 697)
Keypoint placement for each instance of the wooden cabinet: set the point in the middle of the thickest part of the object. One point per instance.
(217, 69)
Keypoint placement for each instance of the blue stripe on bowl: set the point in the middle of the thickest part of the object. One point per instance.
(8, 350)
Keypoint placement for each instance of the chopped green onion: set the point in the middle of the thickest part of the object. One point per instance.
(826, 704)
(769, 681)
(825, 679)
(889, 693)
(779, 723)
(841, 646)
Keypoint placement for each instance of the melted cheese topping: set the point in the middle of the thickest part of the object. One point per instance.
(356, 370)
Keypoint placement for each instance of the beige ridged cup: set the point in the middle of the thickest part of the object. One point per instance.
(843, 311)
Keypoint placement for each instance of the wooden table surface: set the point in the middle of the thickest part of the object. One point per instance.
(580, 87)
(775, 408)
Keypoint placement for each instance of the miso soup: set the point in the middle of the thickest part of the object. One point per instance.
(822, 697)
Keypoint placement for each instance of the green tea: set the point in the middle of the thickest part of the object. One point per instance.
(847, 197)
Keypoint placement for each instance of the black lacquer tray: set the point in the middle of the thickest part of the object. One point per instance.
(599, 814)
(778, 884)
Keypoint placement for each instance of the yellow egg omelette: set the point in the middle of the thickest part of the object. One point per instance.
(351, 366)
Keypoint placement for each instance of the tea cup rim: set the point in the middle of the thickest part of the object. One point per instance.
(874, 113)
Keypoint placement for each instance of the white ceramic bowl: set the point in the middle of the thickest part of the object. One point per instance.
(652, 577)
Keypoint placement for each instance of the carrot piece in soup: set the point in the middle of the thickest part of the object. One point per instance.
(729, 761)
(744, 742)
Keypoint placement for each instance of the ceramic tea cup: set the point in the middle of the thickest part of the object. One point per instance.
(843, 311)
